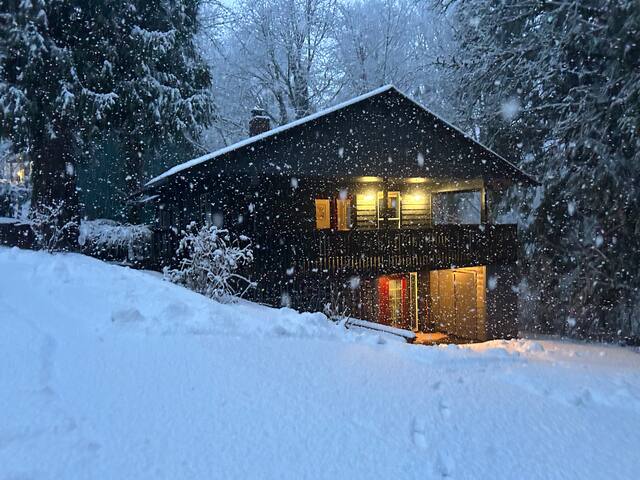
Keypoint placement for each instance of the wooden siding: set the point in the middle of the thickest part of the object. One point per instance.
(415, 211)
(366, 212)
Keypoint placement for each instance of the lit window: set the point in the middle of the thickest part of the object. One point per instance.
(395, 301)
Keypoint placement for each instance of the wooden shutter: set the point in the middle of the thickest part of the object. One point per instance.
(323, 213)
(343, 208)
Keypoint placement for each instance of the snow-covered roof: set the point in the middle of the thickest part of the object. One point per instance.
(147, 199)
(275, 131)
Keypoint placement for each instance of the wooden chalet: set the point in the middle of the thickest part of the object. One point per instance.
(376, 207)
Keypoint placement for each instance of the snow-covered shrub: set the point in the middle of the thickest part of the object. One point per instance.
(210, 262)
(51, 227)
(113, 240)
(14, 200)
(338, 308)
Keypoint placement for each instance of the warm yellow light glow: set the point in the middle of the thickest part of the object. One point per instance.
(416, 180)
(418, 196)
(369, 196)
(20, 175)
(369, 179)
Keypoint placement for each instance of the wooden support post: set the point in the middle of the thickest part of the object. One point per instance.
(483, 205)
(385, 200)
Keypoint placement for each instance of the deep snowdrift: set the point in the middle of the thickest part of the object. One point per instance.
(112, 373)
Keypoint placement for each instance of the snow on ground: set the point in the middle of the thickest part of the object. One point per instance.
(107, 373)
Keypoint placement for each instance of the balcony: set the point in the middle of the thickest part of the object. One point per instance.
(398, 250)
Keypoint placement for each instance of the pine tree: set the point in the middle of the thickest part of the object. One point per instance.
(557, 84)
(72, 69)
(160, 79)
(40, 98)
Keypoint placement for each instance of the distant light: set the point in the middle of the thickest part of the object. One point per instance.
(416, 180)
(369, 179)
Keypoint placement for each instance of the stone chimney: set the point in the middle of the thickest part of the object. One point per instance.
(259, 122)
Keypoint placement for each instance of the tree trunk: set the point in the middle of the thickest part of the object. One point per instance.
(134, 164)
(54, 181)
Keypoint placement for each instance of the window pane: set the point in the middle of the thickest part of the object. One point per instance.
(456, 207)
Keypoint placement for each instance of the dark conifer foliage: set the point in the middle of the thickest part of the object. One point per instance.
(160, 79)
(557, 84)
(72, 69)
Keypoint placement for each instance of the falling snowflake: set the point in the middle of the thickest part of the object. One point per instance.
(599, 241)
(510, 109)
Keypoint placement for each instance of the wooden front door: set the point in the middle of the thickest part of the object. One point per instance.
(454, 302)
(466, 317)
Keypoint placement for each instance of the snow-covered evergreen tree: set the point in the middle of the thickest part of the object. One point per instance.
(41, 97)
(556, 85)
(72, 69)
(161, 81)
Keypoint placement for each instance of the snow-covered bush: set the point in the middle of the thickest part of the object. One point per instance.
(210, 262)
(14, 200)
(51, 227)
(113, 240)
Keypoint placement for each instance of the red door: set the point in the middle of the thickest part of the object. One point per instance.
(393, 302)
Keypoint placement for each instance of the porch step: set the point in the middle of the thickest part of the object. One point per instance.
(434, 338)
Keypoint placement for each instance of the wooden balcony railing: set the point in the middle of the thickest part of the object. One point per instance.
(388, 251)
